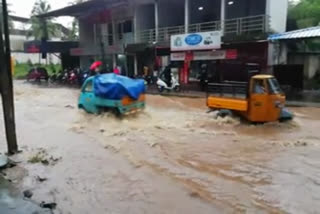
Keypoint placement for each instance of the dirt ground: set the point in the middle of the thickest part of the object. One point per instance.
(172, 158)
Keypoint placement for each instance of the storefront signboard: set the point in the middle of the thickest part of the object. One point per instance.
(178, 56)
(196, 41)
(84, 51)
(205, 55)
(209, 55)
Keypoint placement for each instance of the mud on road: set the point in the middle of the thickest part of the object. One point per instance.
(172, 158)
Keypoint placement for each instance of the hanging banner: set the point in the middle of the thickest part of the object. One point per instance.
(209, 55)
(178, 56)
(206, 55)
(196, 41)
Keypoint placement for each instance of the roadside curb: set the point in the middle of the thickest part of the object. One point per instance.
(288, 103)
(302, 104)
(178, 95)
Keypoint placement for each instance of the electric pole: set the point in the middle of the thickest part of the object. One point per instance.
(6, 86)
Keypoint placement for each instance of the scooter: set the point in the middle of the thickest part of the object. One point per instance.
(162, 85)
(73, 78)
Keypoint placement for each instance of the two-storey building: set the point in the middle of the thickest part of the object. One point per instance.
(136, 33)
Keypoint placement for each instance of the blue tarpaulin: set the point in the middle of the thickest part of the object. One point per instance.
(116, 87)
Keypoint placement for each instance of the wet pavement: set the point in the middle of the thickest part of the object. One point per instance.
(12, 201)
(172, 158)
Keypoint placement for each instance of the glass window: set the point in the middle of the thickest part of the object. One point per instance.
(89, 87)
(127, 26)
(120, 30)
(259, 87)
(274, 86)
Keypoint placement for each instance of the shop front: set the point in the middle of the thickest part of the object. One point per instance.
(201, 64)
(197, 55)
(202, 57)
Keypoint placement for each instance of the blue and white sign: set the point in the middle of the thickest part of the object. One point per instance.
(196, 41)
(193, 39)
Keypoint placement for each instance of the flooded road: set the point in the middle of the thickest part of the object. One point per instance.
(172, 158)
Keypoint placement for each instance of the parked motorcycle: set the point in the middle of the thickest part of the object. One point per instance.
(38, 74)
(73, 78)
(82, 76)
(166, 84)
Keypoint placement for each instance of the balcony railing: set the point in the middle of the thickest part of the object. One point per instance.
(245, 25)
(238, 26)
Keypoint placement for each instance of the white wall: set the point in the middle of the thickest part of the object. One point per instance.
(86, 40)
(17, 48)
(312, 66)
(17, 42)
(34, 58)
(278, 11)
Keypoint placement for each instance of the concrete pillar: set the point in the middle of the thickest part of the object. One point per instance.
(186, 16)
(114, 61)
(95, 34)
(135, 24)
(223, 15)
(135, 65)
(114, 32)
(156, 18)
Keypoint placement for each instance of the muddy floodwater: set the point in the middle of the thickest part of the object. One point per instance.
(174, 157)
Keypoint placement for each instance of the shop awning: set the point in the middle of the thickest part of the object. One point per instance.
(84, 8)
(306, 33)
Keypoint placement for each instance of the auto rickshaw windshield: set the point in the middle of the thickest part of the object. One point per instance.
(274, 86)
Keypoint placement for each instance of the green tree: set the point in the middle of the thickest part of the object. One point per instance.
(74, 31)
(306, 13)
(41, 28)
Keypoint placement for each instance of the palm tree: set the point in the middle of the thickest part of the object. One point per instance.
(73, 35)
(41, 28)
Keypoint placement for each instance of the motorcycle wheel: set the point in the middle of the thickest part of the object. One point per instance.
(177, 89)
(160, 89)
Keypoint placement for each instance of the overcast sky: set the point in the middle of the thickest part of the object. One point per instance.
(23, 8)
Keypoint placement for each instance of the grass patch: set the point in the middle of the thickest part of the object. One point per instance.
(35, 159)
(21, 69)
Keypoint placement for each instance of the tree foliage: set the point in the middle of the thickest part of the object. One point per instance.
(41, 28)
(306, 13)
(74, 31)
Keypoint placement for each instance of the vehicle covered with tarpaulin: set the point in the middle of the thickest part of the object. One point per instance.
(112, 92)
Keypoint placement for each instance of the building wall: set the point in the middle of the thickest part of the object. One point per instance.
(35, 58)
(17, 42)
(86, 40)
(243, 8)
(145, 17)
(277, 53)
(278, 11)
(171, 13)
(312, 65)
(17, 51)
(210, 12)
(310, 62)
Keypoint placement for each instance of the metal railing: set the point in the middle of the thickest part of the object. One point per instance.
(238, 26)
(245, 25)
(205, 26)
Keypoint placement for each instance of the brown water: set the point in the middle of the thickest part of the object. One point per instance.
(172, 158)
